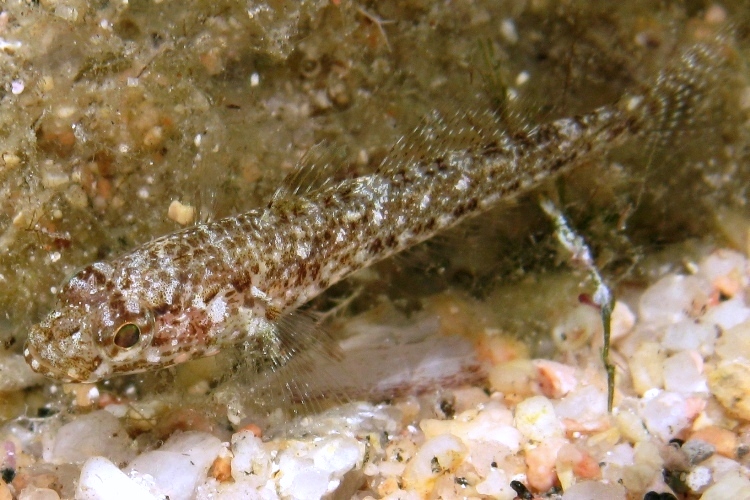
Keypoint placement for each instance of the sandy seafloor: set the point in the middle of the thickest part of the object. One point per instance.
(474, 361)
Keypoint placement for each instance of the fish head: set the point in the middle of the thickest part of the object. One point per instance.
(112, 319)
(94, 331)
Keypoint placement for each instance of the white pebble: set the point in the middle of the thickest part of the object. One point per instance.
(53, 178)
(492, 424)
(647, 454)
(630, 426)
(97, 434)
(665, 415)
(536, 419)
(102, 480)
(17, 86)
(435, 456)
(734, 486)
(496, 485)
(698, 478)
(508, 30)
(31, 492)
(514, 376)
(66, 12)
(180, 464)
(588, 490)
(672, 299)
(15, 374)
(616, 461)
(577, 327)
(734, 344)
(66, 111)
(728, 314)
(715, 14)
(721, 466)
(622, 321)
(690, 335)
(337, 455)
(522, 78)
(312, 470)
(250, 457)
(723, 267)
(647, 465)
(683, 372)
(299, 479)
(585, 404)
(620, 454)
(646, 367)
(213, 490)
(483, 454)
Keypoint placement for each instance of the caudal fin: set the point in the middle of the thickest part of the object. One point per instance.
(685, 92)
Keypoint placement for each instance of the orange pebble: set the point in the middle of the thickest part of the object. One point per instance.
(555, 379)
(587, 468)
(728, 285)
(221, 469)
(583, 465)
(540, 461)
(104, 188)
(499, 349)
(587, 427)
(694, 406)
(183, 419)
(257, 432)
(723, 440)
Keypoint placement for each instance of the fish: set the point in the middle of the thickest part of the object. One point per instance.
(236, 280)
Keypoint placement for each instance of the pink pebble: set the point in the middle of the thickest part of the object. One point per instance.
(555, 379)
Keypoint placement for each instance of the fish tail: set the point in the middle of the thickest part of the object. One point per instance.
(684, 94)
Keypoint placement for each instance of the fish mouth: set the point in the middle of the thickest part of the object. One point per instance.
(45, 358)
(41, 365)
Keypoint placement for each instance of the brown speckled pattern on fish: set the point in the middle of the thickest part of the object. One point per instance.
(190, 293)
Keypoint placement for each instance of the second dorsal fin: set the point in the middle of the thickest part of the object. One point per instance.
(441, 133)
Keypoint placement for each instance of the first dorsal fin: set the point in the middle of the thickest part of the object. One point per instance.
(320, 166)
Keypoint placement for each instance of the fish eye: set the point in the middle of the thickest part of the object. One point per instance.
(127, 335)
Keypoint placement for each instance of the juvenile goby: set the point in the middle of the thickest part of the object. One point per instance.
(193, 292)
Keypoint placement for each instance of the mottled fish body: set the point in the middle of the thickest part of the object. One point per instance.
(191, 293)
